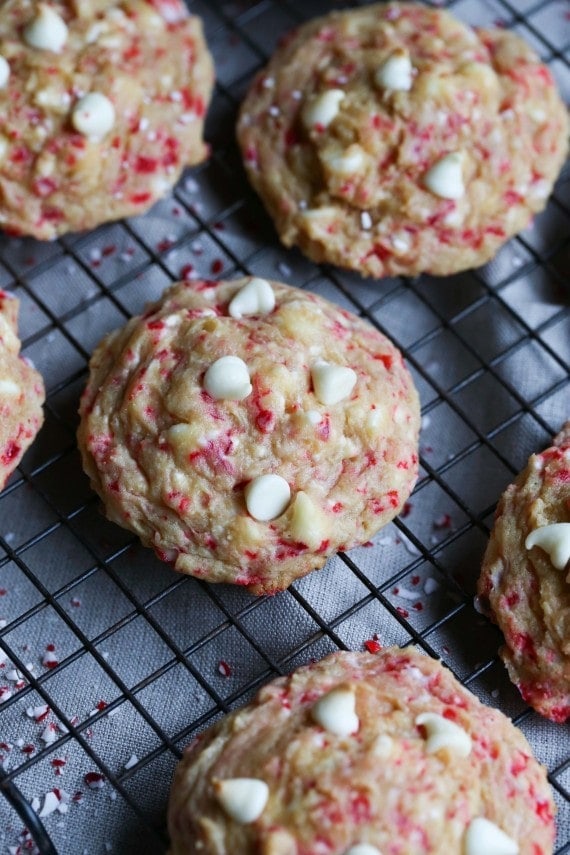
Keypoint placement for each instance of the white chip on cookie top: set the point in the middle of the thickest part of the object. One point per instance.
(443, 733)
(555, 540)
(255, 298)
(243, 799)
(8, 387)
(93, 115)
(47, 30)
(267, 497)
(363, 849)
(4, 72)
(347, 162)
(396, 73)
(332, 383)
(483, 837)
(445, 177)
(228, 379)
(309, 525)
(336, 711)
(322, 110)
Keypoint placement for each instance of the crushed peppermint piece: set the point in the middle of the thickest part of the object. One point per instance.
(372, 645)
(51, 803)
(406, 593)
(132, 761)
(50, 660)
(94, 780)
(49, 734)
(38, 713)
(430, 585)
(442, 522)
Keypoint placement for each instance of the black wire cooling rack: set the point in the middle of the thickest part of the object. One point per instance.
(110, 662)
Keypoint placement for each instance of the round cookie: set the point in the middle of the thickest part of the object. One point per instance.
(393, 139)
(525, 579)
(102, 106)
(362, 754)
(21, 392)
(247, 430)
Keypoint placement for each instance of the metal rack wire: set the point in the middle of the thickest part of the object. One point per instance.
(109, 662)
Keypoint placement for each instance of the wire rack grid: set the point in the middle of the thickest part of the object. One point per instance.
(110, 662)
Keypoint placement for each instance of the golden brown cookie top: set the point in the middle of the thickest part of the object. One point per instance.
(396, 139)
(21, 392)
(102, 106)
(247, 430)
(358, 750)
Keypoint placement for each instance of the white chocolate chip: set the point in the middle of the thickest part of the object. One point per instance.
(401, 242)
(485, 838)
(47, 31)
(228, 379)
(332, 383)
(383, 746)
(347, 162)
(4, 72)
(554, 539)
(323, 109)
(93, 115)
(336, 711)
(313, 417)
(442, 733)
(8, 387)
(267, 497)
(363, 849)
(445, 178)
(255, 298)
(396, 72)
(243, 799)
(309, 525)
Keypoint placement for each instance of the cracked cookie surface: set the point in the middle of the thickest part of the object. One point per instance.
(102, 105)
(248, 441)
(393, 139)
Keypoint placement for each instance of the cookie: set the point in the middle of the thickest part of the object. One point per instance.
(102, 107)
(362, 754)
(393, 139)
(21, 392)
(247, 430)
(525, 579)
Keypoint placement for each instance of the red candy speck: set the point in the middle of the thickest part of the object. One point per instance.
(10, 453)
(372, 646)
(94, 780)
(224, 669)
